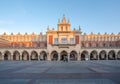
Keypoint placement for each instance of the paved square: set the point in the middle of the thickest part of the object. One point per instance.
(57, 72)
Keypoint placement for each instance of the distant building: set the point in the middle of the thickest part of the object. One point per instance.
(57, 44)
(4, 43)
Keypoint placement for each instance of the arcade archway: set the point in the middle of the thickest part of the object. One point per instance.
(34, 55)
(111, 55)
(25, 55)
(102, 55)
(16, 55)
(54, 56)
(73, 56)
(63, 55)
(43, 56)
(93, 55)
(84, 55)
(7, 55)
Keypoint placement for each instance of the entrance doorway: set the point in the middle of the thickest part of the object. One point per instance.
(63, 55)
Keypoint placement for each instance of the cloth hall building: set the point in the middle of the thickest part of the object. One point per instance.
(60, 43)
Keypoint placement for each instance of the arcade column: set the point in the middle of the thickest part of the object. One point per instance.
(10, 57)
(58, 56)
(48, 57)
(20, 56)
(2, 57)
(78, 56)
(68, 56)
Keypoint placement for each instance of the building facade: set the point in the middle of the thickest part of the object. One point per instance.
(55, 45)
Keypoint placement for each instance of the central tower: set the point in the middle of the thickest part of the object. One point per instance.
(63, 40)
(63, 25)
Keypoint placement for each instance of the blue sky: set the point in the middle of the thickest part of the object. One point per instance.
(35, 15)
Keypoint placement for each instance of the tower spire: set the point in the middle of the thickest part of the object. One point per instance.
(63, 19)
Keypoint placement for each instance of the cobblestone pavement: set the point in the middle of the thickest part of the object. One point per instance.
(57, 72)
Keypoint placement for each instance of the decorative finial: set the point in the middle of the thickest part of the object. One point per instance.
(92, 33)
(4, 33)
(40, 33)
(74, 29)
(25, 33)
(63, 19)
(33, 33)
(18, 33)
(11, 33)
(79, 28)
(48, 28)
(52, 28)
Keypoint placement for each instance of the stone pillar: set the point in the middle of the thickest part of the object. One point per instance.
(11, 57)
(3, 57)
(48, 57)
(38, 58)
(68, 56)
(78, 56)
(29, 58)
(17, 57)
(98, 57)
(88, 56)
(115, 55)
(0, 57)
(58, 56)
(106, 56)
(20, 56)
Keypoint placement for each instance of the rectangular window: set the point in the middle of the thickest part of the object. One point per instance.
(55, 40)
(64, 40)
(71, 40)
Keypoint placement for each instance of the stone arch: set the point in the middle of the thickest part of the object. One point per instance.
(7, 55)
(118, 55)
(111, 55)
(43, 56)
(34, 55)
(25, 55)
(93, 55)
(73, 55)
(103, 55)
(16, 55)
(84, 55)
(54, 55)
(0, 56)
(63, 55)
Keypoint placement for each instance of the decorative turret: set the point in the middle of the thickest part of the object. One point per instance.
(63, 19)
(63, 25)
(48, 28)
